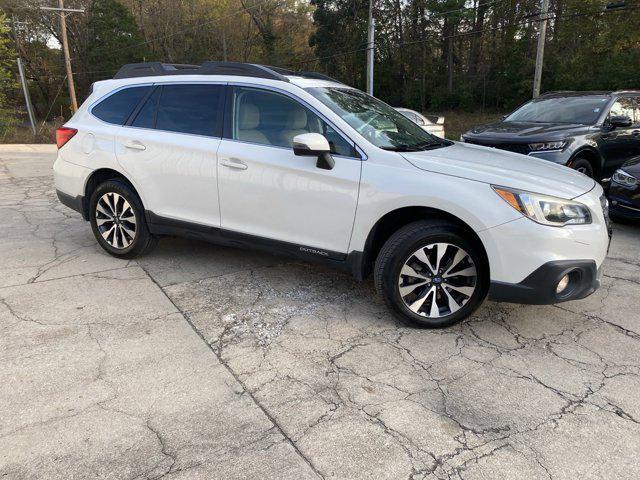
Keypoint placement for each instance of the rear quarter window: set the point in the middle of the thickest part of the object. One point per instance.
(116, 108)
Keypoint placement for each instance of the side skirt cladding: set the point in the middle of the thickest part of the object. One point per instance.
(166, 226)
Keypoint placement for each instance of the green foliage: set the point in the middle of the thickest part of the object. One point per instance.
(493, 47)
(7, 82)
(113, 38)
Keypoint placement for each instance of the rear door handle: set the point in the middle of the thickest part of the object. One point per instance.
(234, 163)
(135, 146)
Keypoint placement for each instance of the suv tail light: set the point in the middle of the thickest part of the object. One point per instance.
(63, 135)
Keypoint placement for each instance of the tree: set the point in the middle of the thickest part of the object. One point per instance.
(113, 38)
(7, 82)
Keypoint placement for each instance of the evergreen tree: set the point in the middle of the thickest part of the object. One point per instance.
(113, 38)
(7, 82)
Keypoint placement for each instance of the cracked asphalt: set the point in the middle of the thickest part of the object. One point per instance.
(199, 361)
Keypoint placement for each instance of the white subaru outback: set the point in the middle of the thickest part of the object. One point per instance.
(300, 164)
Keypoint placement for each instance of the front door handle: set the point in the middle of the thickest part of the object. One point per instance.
(234, 163)
(135, 146)
(635, 133)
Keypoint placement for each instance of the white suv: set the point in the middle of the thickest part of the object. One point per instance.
(300, 164)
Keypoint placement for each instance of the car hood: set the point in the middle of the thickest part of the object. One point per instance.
(498, 167)
(524, 131)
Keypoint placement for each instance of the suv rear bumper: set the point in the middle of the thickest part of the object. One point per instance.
(74, 203)
(539, 288)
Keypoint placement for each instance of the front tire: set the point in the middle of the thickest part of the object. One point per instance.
(430, 275)
(118, 222)
(583, 166)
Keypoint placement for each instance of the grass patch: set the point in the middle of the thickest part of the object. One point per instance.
(457, 122)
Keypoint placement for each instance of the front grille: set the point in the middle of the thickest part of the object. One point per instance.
(522, 148)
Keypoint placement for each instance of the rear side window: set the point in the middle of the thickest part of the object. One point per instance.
(194, 109)
(146, 117)
(117, 107)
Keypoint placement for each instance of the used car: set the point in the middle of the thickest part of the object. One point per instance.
(300, 164)
(624, 191)
(592, 132)
(434, 125)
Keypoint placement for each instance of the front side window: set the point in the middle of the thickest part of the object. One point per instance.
(269, 118)
(116, 108)
(581, 110)
(379, 123)
(627, 107)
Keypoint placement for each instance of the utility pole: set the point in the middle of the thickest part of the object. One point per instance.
(23, 78)
(542, 34)
(371, 45)
(65, 47)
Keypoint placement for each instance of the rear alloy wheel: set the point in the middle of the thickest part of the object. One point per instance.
(430, 274)
(117, 220)
(583, 166)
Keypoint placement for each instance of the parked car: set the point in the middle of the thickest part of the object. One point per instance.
(624, 191)
(434, 125)
(296, 163)
(592, 132)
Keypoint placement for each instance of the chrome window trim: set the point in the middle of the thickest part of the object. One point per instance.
(110, 93)
(306, 105)
(363, 155)
(153, 84)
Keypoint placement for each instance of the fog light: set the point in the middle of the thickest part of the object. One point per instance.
(562, 284)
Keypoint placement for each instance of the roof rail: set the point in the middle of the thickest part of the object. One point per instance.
(153, 69)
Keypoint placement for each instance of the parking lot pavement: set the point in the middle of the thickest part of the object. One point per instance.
(199, 361)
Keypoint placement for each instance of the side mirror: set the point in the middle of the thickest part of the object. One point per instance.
(314, 145)
(620, 121)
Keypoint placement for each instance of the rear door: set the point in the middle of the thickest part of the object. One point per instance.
(169, 148)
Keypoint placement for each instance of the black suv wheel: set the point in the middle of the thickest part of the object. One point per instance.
(583, 166)
(117, 220)
(430, 275)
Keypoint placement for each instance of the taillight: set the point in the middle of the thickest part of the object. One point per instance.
(63, 135)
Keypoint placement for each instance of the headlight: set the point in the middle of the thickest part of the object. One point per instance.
(544, 209)
(623, 178)
(540, 147)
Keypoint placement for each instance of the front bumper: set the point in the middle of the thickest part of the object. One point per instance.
(539, 288)
(624, 201)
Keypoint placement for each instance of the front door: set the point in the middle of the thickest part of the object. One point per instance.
(620, 144)
(170, 149)
(267, 191)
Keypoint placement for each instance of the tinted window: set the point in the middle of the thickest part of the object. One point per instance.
(190, 109)
(269, 118)
(583, 110)
(628, 107)
(117, 107)
(146, 117)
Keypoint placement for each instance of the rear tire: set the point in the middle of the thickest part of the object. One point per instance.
(583, 166)
(118, 221)
(430, 275)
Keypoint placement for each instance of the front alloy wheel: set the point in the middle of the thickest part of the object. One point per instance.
(437, 280)
(431, 273)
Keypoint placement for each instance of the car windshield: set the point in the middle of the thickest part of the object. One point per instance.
(582, 110)
(376, 121)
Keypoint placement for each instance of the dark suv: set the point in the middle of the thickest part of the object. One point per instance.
(592, 132)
